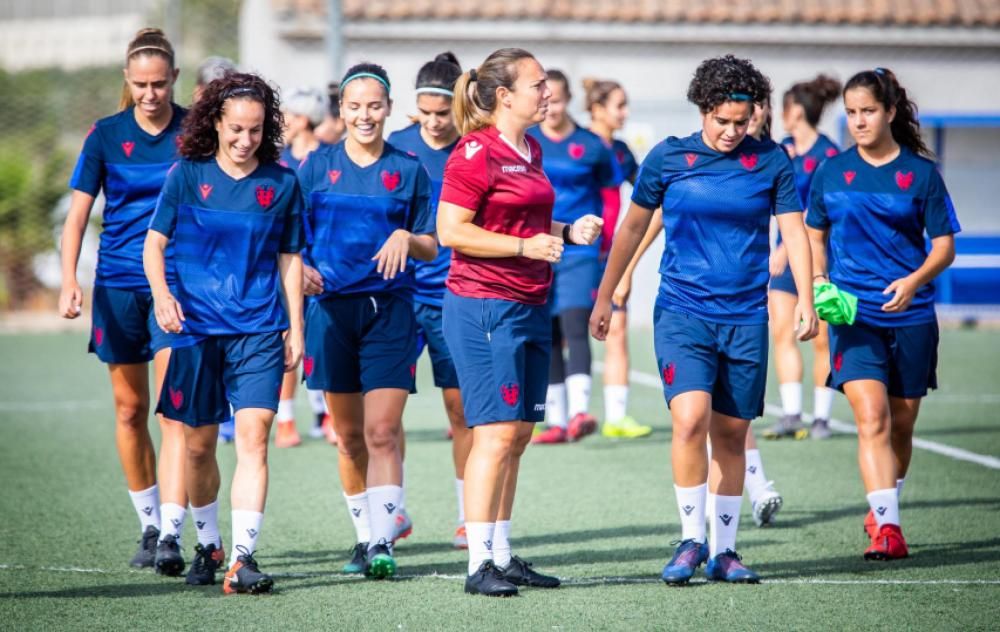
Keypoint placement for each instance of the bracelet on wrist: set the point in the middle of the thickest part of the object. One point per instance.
(520, 247)
(567, 234)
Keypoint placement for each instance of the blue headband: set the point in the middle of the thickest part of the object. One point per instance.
(364, 75)
(444, 92)
(879, 71)
(739, 96)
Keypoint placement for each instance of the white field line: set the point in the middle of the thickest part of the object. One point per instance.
(653, 381)
(569, 581)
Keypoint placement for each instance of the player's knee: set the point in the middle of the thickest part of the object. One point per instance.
(131, 415)
(872, 422)
(351, 445)
(689, 432)
(199, 451)
(382, 436)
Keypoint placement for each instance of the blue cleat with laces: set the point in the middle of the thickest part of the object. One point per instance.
(687, 558)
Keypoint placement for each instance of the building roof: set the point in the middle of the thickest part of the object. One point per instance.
(918, 13)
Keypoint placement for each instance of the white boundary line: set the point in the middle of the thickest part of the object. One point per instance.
(653, 381)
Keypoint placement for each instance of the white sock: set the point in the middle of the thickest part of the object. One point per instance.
(791, 398)
(501, 544)
(460, 494)
(246, 530)
(822, 402)
(754, 480)
(402, 487)
(691, 507)
(286, 410)
(317, 401)
(555, 405)
(885, 506)
(147, 506)
(480, 535)
(577, 394)
(899, 486)
(206, 521)
(357, 506)
(171, 520)
(615, 402)
(383, 505)
(725, 523)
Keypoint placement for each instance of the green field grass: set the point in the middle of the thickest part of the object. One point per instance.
(599, 514)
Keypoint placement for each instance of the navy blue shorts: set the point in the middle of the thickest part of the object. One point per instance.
(902, 358)
(124, 327)
(501, 350)
(205, 378)
(360, 342)
(784, 282)
(728, 361)
(574, 283)
(430, 334)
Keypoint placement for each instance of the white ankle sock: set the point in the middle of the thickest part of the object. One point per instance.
(206, 522)
(171, 520)
(147, 506)
(246, 530)
(822, 402)
(577, 394)
(555, 405)
(725, 523)
(791, 398)
(383, 505)
(480, 536)
(501, 544)
(899, 486)
(317, 402)
(691, 507)
(460, 494)
(286, 410)
(885, 506)
(754, 480)
(357, 506)
(615, 402)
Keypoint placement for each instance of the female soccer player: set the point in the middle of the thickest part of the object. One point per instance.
(718, 189)
(331, 130)
(579, 164)
(873, 204)
(431, 139)
(211, 68)
(127, 155)
(608, 107)
(369, 210)
(233, 216)
(495, 213)
(803, 106)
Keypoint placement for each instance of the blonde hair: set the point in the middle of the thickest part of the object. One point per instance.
(475, 99)
(151, 43)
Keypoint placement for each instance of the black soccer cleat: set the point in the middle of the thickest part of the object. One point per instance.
(207, 560)
(520, 573)
(359, 560)
(168, 557)
(245, 577)
(488, 580)
(146, 554)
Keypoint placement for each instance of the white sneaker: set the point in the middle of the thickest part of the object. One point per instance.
(766, 505)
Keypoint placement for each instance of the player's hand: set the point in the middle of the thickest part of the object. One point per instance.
(169, 314)
(543, 247)
(586, 230)
(778, 261)
(905, 291)
(70, 300)
(600, 319)
(808, 322)
(392, 255)
(294, 348)
(312, 281)
(622, 292)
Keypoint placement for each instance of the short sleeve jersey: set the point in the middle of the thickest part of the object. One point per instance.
(227, 237)
(612, 195)
(428, 276)
(510, 194)
(579, 166)
(288, 160)
(877, 218)
(129, 165)
(352, 211)
(716, 217)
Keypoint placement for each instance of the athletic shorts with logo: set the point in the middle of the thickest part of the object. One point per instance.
(357, 343)
(204, 378)
(430, 334)
(728, 361)
(574, 283)
(124, 329)
(902, 358)
(501, 350)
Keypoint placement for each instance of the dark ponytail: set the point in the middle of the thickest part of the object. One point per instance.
(813, 96)
(884, 86)
(439, 74)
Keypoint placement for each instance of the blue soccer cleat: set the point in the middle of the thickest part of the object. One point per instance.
(727, 567)
(687, 558)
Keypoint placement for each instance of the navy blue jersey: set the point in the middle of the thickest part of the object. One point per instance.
(288, 160)
(428, 276)
(129, 165)
(352, 211)
(877, 217)
(626, 159)
(227, 236)
(805, 165)
(716, 216)
(578, 166)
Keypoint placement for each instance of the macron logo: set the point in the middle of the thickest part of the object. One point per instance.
(514, 169)
(539, 408)
(472, 148)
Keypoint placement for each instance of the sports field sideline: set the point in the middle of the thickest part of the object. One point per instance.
(599, 514)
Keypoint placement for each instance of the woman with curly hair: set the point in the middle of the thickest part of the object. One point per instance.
(718, 189)
(233, 217)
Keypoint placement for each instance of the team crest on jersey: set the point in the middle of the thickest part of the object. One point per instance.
(749, 161)
(98, 336)
(576, 151)
(691, 159)
(283, 163)
(809, 164)
(669, 372)
(904, 180)
(265, 195)
(620, 156)
(333, 175)
(206, 190)
(176, 397)
(510, 393)
(472, 148)
(849, 177)
(831, 152)
(838, 362)
(127, 147)
(308, 364)
(390, 180)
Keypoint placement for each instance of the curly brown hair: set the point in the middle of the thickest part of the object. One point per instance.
(199, 138)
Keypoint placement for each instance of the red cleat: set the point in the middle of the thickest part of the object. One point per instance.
(581, 425)
(871, 525)
(287, 435)
(552, 434)
(888, 544)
